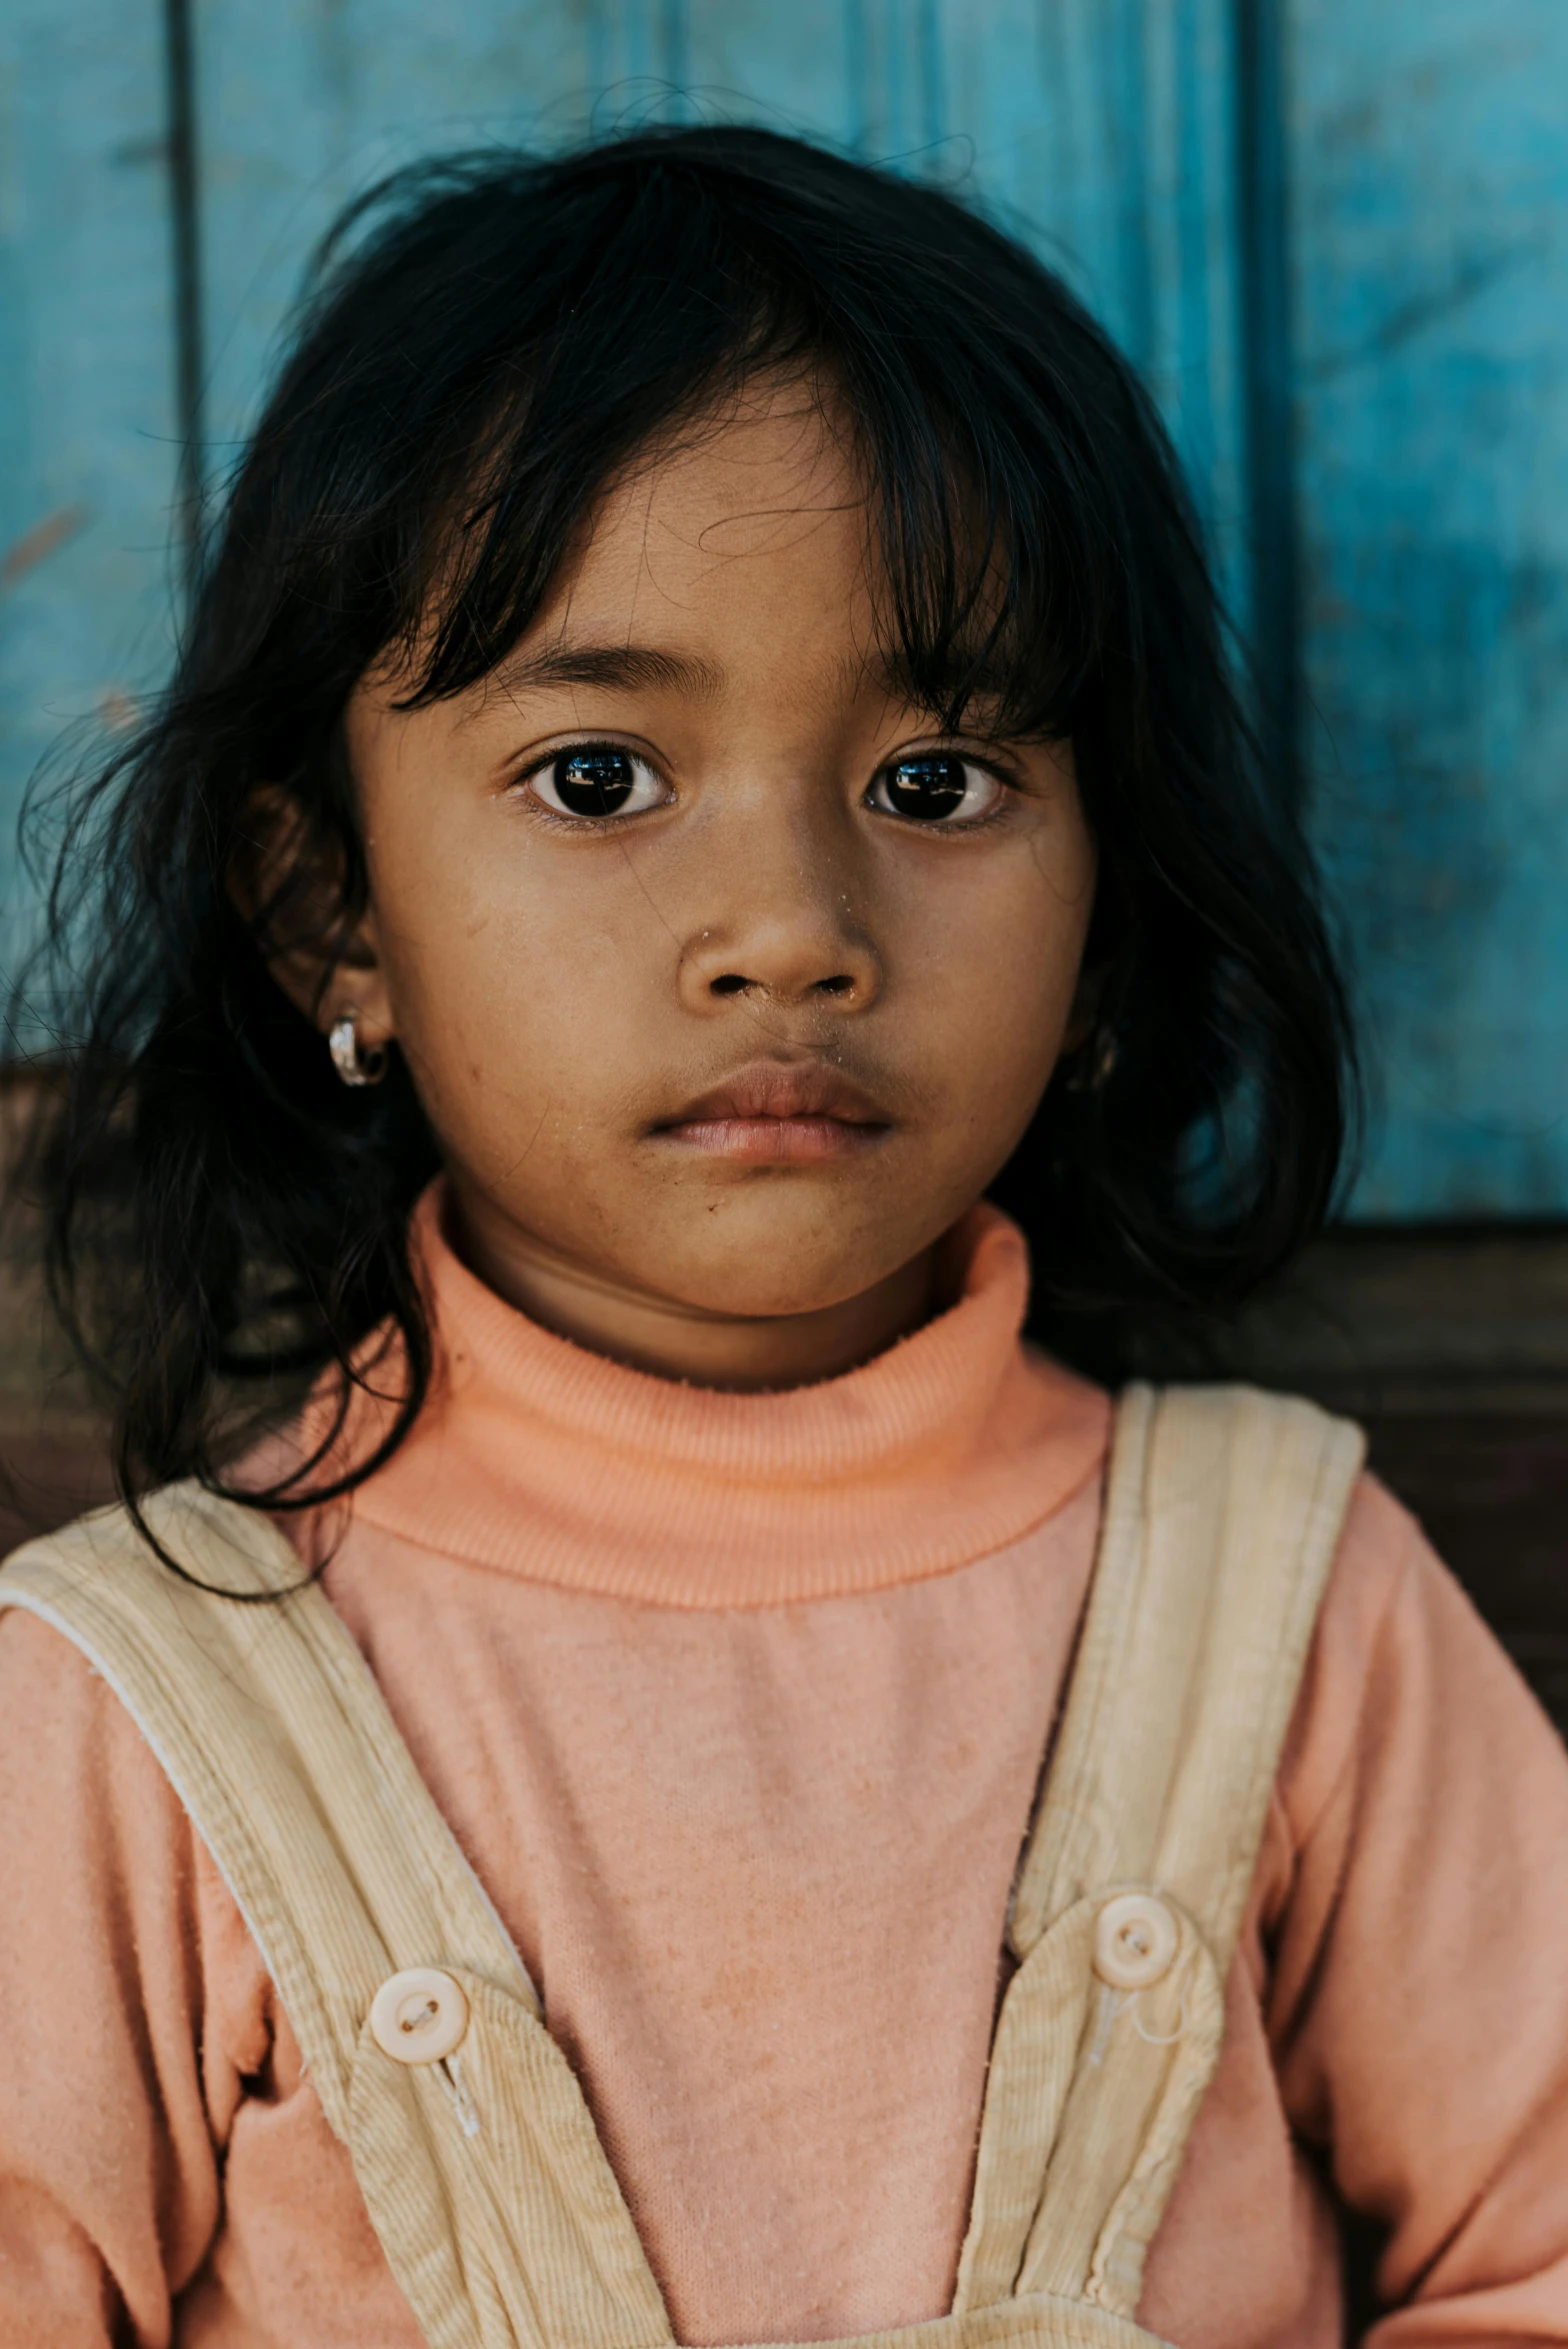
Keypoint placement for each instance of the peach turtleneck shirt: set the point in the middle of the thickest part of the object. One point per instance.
(737, 1704)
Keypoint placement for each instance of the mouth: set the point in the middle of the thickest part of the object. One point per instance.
(773, 1114)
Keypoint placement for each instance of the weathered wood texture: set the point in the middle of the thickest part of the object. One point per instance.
(1100, 128)
(1388, 388)
(1429, 144)
(87, 417)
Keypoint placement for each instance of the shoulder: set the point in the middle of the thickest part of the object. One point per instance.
(1381, 1552)
(181, 1546)
(97, 1852)
(65, 1737)
(77, 1607)
(1380, 1549)
(1408, 1704)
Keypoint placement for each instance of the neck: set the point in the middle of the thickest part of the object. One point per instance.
(661, 1335)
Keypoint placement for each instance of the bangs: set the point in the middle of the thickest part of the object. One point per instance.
(666, 294)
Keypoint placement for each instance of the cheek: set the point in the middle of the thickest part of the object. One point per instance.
(1001, 973)
(513, 1001)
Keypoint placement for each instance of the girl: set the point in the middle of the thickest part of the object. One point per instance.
(698, 1789)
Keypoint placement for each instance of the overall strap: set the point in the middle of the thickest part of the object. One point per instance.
(1223, 1512)
(481, 2170)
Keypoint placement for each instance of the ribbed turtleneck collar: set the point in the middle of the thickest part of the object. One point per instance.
(538, 1458)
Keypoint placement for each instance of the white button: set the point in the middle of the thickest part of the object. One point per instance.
(1135, 1938)
(419, 2016)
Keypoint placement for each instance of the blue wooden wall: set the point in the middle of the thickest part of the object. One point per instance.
(1429, 144)
(1334, 236)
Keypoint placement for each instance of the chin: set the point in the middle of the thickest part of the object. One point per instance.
(773, 1279)
(772, 1300)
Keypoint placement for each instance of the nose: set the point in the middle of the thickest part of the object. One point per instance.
(793, 943)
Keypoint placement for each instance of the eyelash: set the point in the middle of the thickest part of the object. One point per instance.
(587, 748)
(965, 759)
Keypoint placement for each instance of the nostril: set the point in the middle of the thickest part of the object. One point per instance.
(840, 984)
(730, 983)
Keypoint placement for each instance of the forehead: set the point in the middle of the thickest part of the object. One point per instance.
(758, 507)
(743, 551)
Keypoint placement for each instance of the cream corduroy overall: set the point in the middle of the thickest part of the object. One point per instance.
(480, 2168)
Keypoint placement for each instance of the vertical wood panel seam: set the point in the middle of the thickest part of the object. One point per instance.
(185, 238)
(1263, 228)
(676, 46)
(857, 74)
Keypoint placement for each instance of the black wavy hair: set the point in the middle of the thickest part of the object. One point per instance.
(488, 339)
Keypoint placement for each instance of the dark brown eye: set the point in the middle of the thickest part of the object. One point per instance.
(935, 787)
(597, 779)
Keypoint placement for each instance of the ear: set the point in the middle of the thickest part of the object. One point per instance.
(287, 883)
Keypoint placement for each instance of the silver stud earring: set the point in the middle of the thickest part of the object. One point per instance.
(353, 1066)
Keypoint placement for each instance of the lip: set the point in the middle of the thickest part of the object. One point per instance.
(775, 1113)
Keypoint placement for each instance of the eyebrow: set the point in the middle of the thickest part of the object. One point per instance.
(612, 667)
(630, 668)
(988, 682)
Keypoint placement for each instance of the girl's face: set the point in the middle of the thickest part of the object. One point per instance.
(728, 981)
